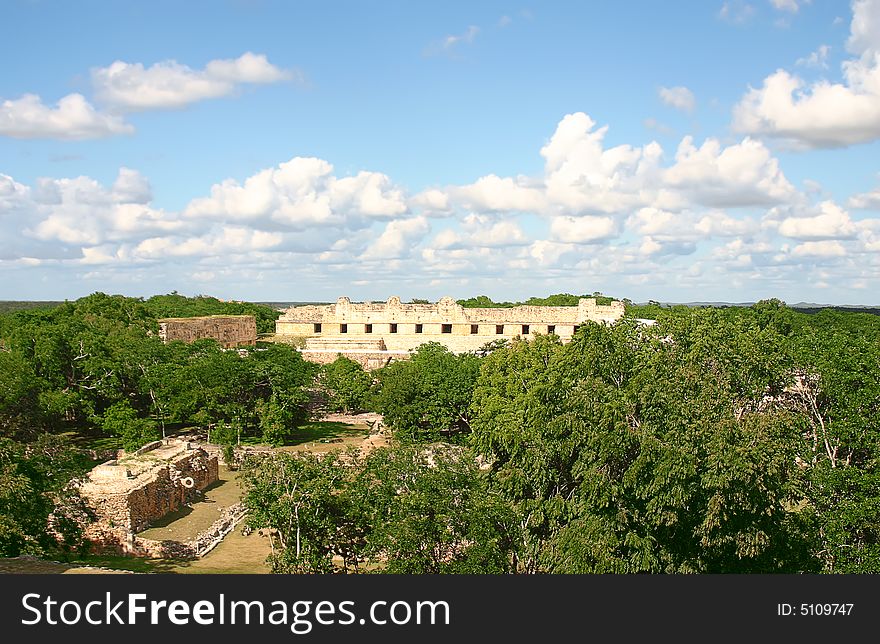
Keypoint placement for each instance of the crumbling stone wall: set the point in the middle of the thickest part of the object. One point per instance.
(229, 330)
(371, 332)
(130, 493)
(197, 547)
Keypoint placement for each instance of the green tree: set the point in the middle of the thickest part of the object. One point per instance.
(838, 397)
(40, 512)
(121, 420)
(295, 495)
(346, 385)
(428, 395)
(432, 512)
(645, 450)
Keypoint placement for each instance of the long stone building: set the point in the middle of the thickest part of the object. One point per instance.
(375, 333)
(229, 330)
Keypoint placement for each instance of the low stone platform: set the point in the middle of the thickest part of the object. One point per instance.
(129, 493)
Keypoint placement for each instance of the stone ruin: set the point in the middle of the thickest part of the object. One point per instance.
(375, 334)
(230, 331)
(129, 493)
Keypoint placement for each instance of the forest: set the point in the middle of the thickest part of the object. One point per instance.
(741, 439)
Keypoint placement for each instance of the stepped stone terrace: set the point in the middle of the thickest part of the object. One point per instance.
(376, 333)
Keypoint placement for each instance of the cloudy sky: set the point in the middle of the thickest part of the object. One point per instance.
(269, 150)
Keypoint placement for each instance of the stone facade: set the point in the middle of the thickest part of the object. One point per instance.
(375, 333)
(229, 330)
(130, 493)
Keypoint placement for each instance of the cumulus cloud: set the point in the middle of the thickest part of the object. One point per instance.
(681, 98)
(823, 114)
(864, 200)
(481, 231)
(830, 222)
(583, 178)
(398, 239)
(300, 193)
(739, 175)
(82, 211)
(582, 230)
(73, 118)
(819, 249)
(168, 84)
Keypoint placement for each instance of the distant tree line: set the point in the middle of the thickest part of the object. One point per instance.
(559, 299)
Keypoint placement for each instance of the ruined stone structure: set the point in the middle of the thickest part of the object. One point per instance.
(374, 334)
(129, 493)
(229, 330)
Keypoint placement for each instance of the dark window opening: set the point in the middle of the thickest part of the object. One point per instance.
(575, 330)
(499, 329)
(525, 329)
(317, 327)
(343, 328)
(551, 328)
(475, 329)
(446, 328)
(418, 328)
(393, 328)
(368, 328)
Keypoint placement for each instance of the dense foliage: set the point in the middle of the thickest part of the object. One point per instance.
(96, 368)
(175, 305)
(407, 510)
(346, 385)
(429, 395)
(743, 439)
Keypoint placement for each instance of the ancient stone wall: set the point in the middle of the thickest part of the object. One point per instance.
(229, 330)
(380, 330)
(197, 547)
(130, 493)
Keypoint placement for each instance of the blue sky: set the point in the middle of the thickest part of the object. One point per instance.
(723, 150)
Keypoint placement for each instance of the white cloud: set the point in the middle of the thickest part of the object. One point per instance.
(819, 249)
(300, 193)
(398, 239)
(73, 118)
(583, 178)
(82, 211)
(790, 6)
(818, 58)
(739, 175)
(680, 98)
(864, 200)
(481, 231)
(736, 11)
(865, 27)
(494, 194)
(432, 202)
(582, 230)
(218, 242)
(823, 114)
(831, 222)
(169, 84)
